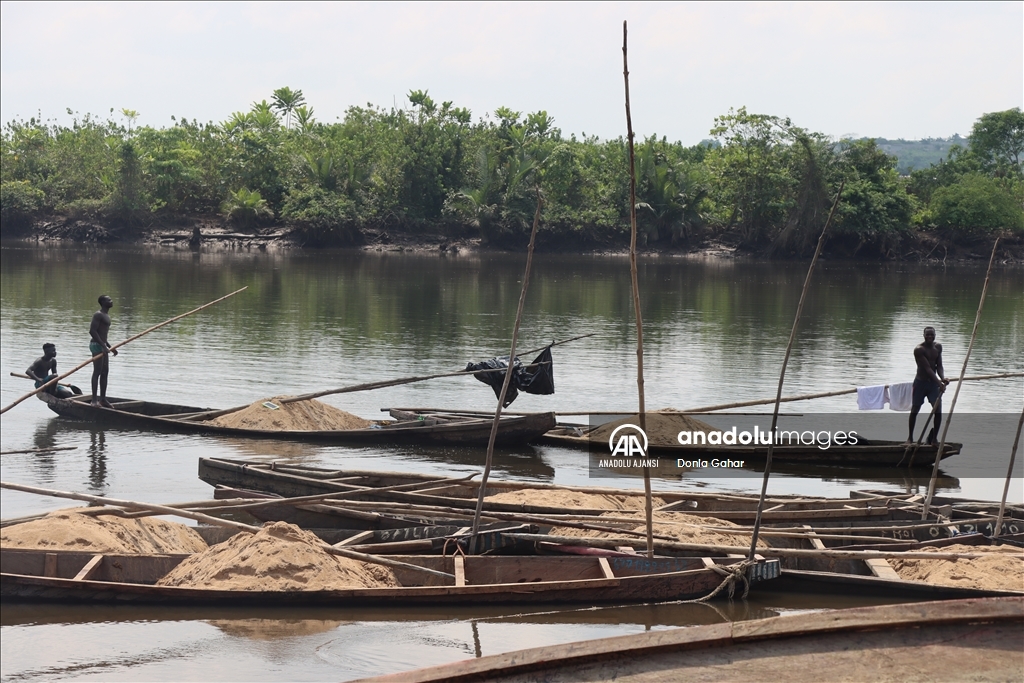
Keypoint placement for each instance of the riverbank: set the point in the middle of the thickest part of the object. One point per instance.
(214, 233)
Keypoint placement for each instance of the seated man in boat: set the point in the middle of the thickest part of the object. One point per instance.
(98, 329)
(930, 382)
(45, 368)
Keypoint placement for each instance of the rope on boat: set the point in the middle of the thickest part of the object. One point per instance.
(733, 573)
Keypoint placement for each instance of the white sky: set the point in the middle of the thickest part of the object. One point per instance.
(891, 70)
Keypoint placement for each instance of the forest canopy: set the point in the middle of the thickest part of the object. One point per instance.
(759, 181)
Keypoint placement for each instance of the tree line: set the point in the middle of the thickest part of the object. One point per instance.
(759, 182)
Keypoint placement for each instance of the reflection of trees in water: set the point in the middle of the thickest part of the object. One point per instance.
(97, 459)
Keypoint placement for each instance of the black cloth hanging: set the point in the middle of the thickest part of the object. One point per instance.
(536, 378)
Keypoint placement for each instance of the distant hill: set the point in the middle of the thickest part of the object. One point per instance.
(918, 154)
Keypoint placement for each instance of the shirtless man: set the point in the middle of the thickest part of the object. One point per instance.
(930, 382)
(101, 366)
(45, 368)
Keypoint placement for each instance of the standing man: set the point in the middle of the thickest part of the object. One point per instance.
(98, 330)
(930, 382)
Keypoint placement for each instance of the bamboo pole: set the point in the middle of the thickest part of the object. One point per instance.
(117, 346)
(551, 520)
(782, 375)
(805, 397)
(635, 285)
(956, 394)
(335, 496)
(920, 437)
(766, 401)
(1009, 476)
(489, 459)
(200, 517)
(41, 450)
(368, 386)
(102, 500)
(765, 551)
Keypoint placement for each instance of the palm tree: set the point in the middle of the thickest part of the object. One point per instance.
(304, 117)
(263, 116)
(286, 101)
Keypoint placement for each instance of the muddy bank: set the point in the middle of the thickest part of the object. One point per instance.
(213, 233)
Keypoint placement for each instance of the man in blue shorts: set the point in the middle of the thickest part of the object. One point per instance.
(98, 330)
(930, 382)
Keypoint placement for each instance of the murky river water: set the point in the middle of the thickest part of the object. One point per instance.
(714, 332)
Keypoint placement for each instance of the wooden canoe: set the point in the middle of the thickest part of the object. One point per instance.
(288, 480)
(867, 453)
(957, 640)
(150, 415)
(68, 577)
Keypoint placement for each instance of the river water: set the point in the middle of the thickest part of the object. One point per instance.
(714, 332)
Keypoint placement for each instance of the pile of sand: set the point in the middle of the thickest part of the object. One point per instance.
(572, 499)
(1002, 568)
(299, 416)
(673, 524)
(662, 429)
(70, 530)
(280, 557)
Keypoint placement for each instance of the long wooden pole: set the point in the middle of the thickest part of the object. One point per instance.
(1009, 476)
(117, 346)
(765, 551)
(367, 386)
(956, 394)
(489, 459)
(782, 375)
(725, 406)
(805, 397)
(200, 517)
(634, 281)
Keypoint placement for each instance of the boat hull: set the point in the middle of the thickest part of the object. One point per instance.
(876, 454)
(150, 415)
(125, 579)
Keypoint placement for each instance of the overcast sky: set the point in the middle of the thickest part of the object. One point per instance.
(890, 70)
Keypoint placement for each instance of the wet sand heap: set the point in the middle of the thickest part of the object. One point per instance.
(1000, 569)
(280, 557)
(680, 526)
(311, 415)
(572, 499)
(71, 530)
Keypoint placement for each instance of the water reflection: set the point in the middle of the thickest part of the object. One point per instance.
(97, 459)
(274, 629)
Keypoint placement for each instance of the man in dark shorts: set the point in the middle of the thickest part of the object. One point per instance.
(98, 330)
(45, 368)
(930, 382)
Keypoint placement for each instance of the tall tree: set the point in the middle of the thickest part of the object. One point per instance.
(286, 101)
(998, 140)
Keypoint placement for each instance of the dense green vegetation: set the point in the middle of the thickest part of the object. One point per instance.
(918, 154)
(761, 182)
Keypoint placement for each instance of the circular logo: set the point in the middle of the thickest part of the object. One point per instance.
(627, 443)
